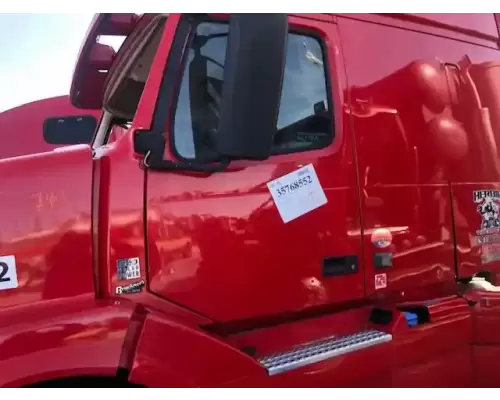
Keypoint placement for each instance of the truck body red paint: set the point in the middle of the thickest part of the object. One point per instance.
(21, 127)
(397, 114)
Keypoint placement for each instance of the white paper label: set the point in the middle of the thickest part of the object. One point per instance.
(297, 193)
(8, 273)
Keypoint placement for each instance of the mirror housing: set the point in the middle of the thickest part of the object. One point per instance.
(70, 130)
(251, 92)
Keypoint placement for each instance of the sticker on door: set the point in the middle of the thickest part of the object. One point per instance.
(8, 273)
(380, 281)
(128, 268)
(297, 193)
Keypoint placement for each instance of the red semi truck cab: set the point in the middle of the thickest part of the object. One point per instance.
(48, 124)
(267, 200)
(45, 125)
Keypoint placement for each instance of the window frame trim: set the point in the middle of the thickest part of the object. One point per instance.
(300, 30)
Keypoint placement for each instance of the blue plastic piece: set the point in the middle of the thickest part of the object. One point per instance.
(411, 319)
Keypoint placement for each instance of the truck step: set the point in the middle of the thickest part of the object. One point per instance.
(322, 350)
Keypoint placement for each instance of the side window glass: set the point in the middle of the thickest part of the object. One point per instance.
(304, 120)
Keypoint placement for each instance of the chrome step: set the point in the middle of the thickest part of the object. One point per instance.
(322, 350)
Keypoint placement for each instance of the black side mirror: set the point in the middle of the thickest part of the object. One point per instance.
(251, 92)
(69, 130)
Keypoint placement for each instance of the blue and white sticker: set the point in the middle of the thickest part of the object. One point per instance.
(128, 268)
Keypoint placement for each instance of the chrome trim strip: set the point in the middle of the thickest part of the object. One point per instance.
(322, 350)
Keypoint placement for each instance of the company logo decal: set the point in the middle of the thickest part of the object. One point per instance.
(131, 288)
(488, 207)
(381, 238)
(488, 235)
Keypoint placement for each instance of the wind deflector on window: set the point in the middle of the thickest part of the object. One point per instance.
(69, 130)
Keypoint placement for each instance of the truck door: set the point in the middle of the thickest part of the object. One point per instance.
(217, 242)
(413, 149)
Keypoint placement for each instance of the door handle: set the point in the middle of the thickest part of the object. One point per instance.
(339, 266)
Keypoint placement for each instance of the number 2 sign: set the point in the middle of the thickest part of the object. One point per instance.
(8, 273)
